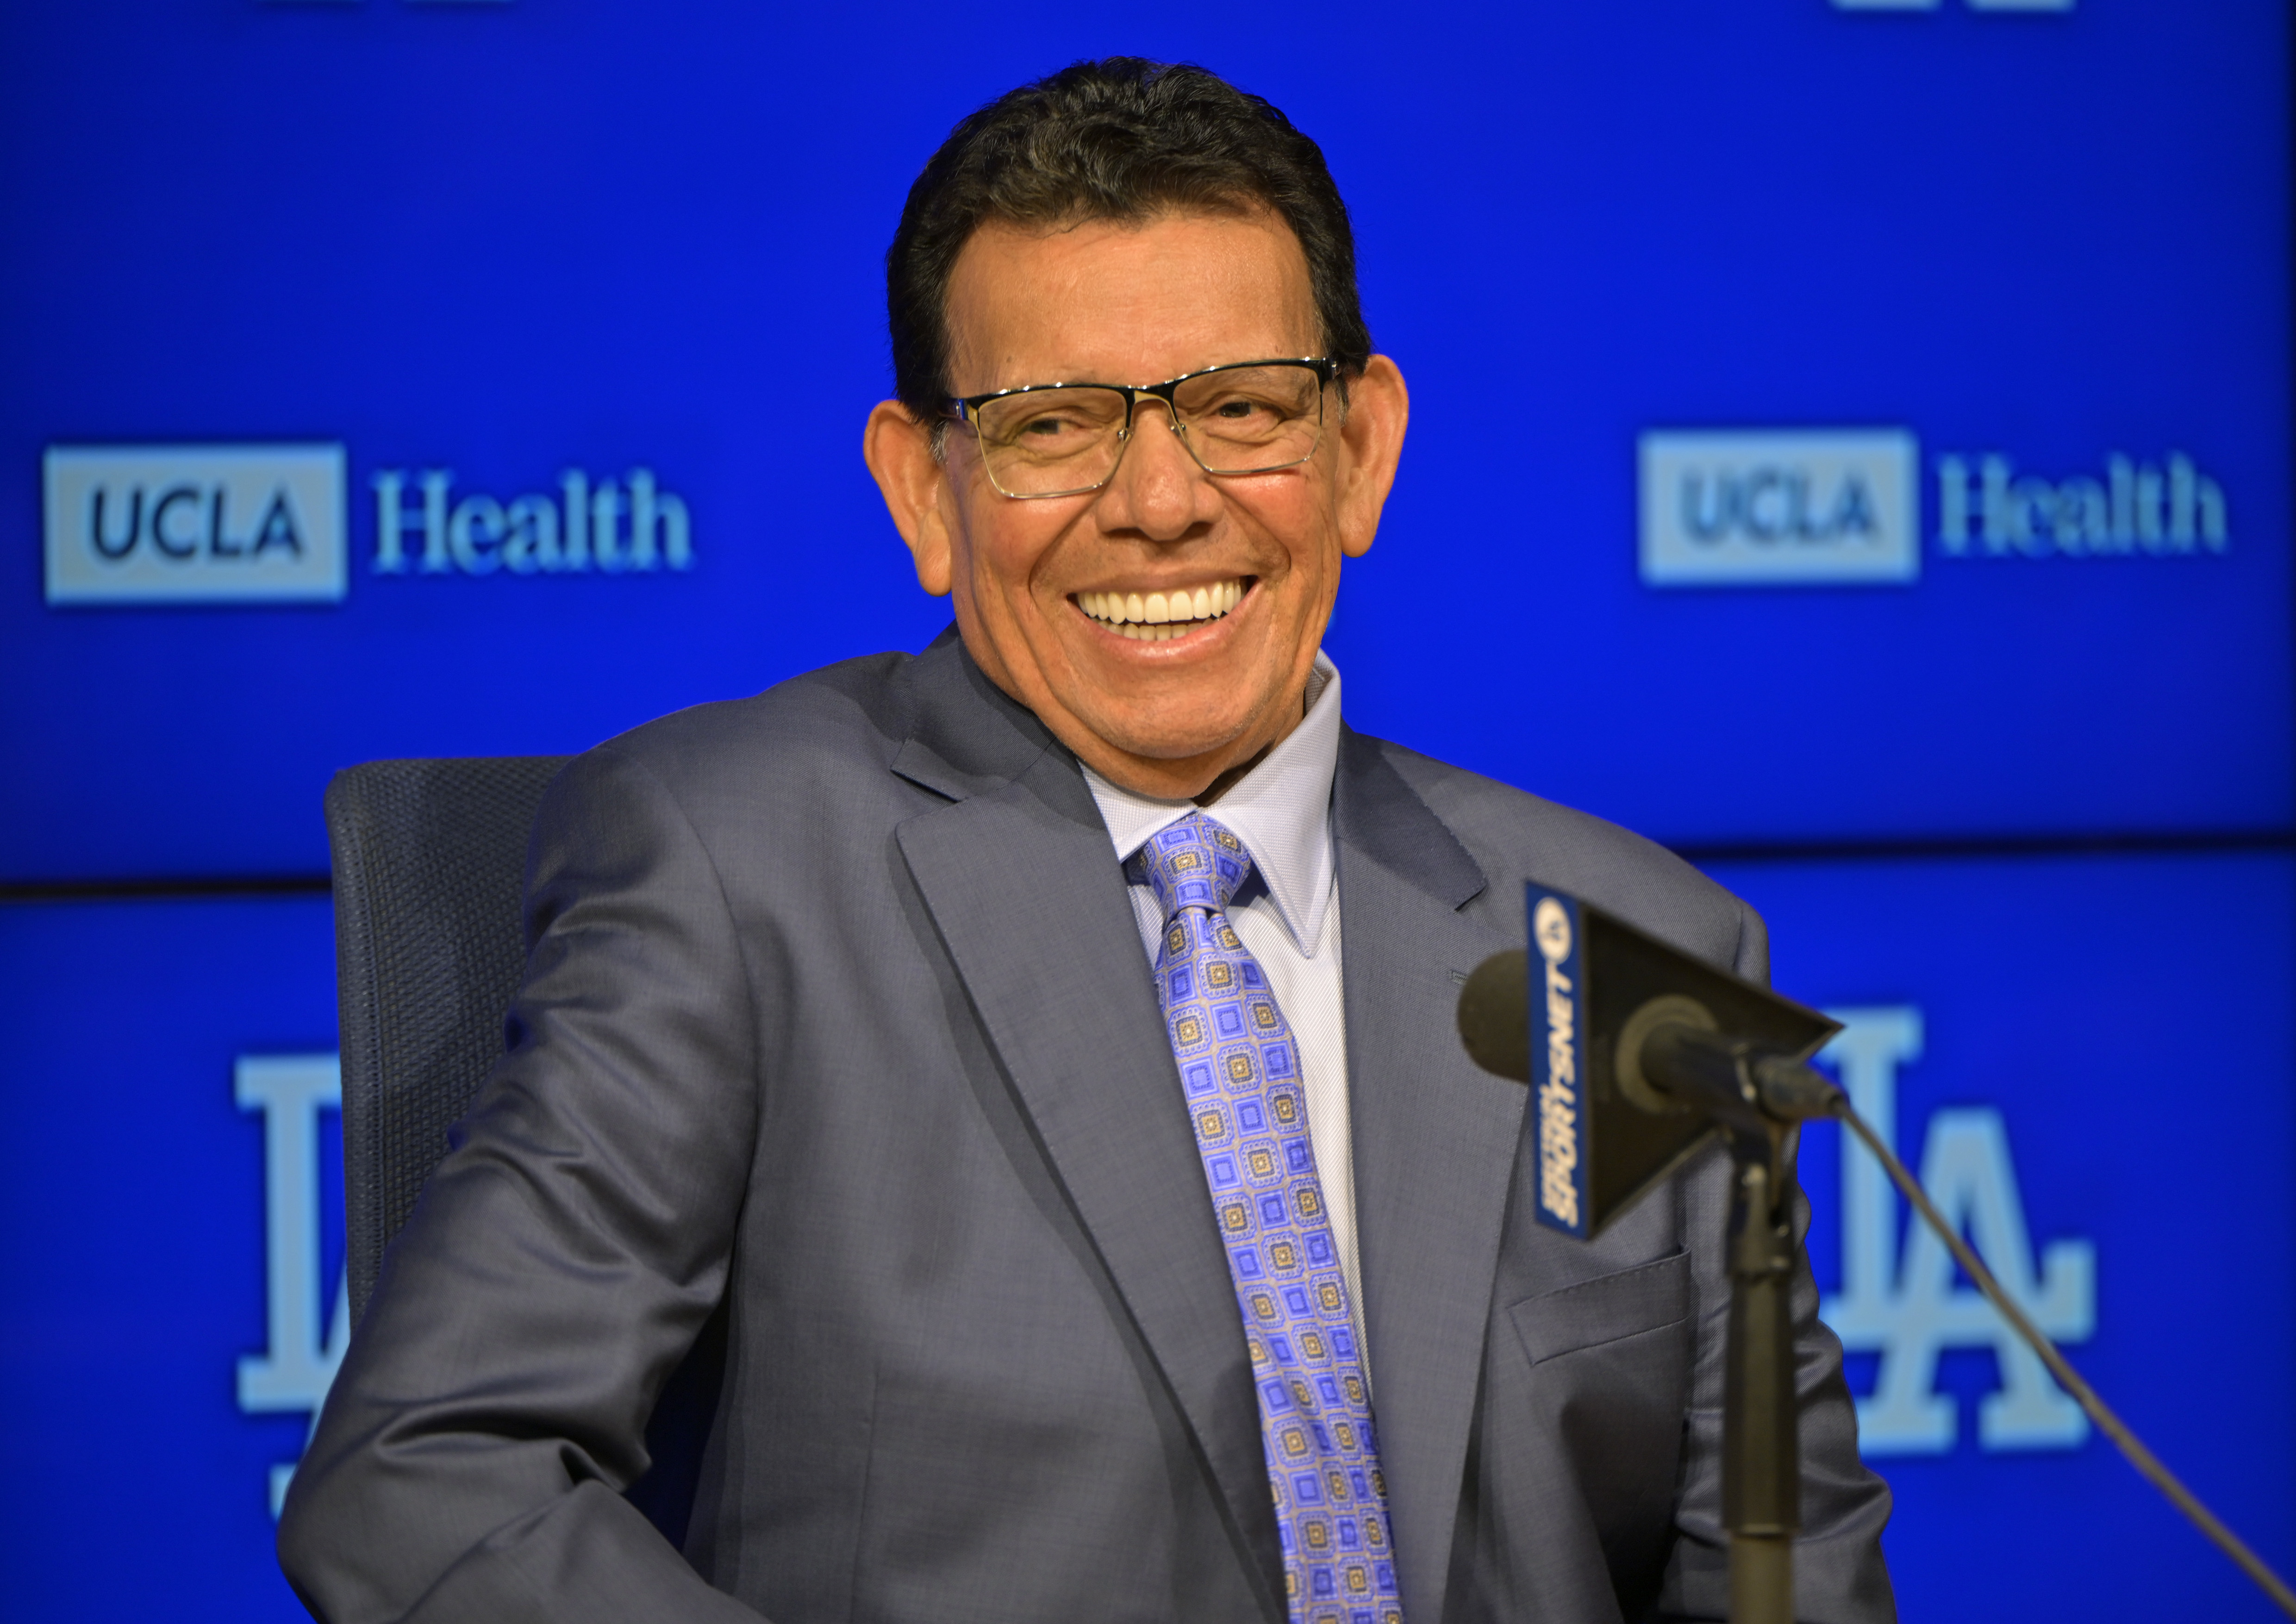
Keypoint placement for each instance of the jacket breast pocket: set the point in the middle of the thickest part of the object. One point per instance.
(1592, 1416)
(1608, 1309)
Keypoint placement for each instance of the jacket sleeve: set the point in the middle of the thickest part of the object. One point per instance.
(493, 1402)
(1839, 1574)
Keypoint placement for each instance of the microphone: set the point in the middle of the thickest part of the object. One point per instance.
(1636, 1054)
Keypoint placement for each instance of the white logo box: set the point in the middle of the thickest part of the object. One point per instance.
(207, 524)
(1779, 507)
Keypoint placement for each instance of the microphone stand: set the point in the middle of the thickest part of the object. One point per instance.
(1761, 1457)
(1761, 1453)
(1758, 1099)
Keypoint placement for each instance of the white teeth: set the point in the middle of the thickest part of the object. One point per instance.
(1157, 616)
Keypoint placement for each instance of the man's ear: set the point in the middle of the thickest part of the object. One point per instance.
(899, 452)
(1378, 408)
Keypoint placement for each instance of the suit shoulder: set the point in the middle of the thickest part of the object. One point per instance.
(1517, 836)
(822, 735)
(855, 708)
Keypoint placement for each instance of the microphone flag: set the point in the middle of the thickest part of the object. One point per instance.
(1555, 1017)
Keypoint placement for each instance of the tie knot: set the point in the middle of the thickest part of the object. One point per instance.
(1194, 863)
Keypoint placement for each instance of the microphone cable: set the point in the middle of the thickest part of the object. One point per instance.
(2147, 1464)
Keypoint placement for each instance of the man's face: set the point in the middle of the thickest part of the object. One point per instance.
(1033, 580)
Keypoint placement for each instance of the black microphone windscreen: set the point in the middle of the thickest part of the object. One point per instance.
(1494, 1015)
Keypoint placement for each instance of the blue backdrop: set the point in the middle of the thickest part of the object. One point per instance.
(1645, 265)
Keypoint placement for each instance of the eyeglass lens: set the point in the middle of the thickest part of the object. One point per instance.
(1235, 419)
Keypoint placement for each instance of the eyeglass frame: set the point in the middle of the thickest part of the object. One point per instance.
(967, 406)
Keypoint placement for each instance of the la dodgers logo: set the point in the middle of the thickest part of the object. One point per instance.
(1904, 1304)
(294, 1374)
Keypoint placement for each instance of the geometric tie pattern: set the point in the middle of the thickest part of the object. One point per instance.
(1239, 1067)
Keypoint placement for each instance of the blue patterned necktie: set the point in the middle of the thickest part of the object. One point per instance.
(1239, 1067)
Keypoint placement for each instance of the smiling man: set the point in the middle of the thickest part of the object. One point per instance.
(959, 1062)
(1150, 573)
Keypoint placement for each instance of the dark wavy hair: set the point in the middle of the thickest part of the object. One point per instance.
(1120, 139)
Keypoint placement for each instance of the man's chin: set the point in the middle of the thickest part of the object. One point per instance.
(1169, 762)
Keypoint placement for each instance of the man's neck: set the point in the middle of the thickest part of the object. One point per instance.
(1235, 775)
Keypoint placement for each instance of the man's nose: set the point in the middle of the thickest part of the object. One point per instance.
(1158, 489)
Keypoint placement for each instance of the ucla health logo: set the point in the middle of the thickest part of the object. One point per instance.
(265, 524)
(143, 524)
(1842, 507)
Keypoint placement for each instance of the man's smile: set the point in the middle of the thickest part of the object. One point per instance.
(1156, 617)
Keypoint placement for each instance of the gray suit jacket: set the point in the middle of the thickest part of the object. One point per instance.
(836, 1012)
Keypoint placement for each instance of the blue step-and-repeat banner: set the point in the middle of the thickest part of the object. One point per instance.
(1874, 417)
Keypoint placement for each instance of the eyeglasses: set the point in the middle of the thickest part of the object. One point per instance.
(1064, 440)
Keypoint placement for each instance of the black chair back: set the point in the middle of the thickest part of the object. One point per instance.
(430, 867)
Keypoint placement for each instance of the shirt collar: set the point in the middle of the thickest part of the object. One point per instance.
(1281, 810)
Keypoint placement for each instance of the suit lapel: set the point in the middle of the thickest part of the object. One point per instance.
(1030, 900)
(1434, 1142)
